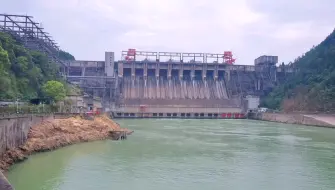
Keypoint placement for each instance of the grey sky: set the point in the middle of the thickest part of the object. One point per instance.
(249, 28)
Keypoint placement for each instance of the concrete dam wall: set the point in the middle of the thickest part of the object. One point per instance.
(176, 98)
(190, 90)
(145, 84)
(152, 88)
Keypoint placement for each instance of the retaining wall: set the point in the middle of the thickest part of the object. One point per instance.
(14, 130)
(289, 118)
(4, 183)
(13, 133)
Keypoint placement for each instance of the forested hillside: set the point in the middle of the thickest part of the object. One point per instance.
(23, 72)
(312, 88)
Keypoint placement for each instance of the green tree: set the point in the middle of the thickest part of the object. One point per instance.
(54, 90)
(4, 61)
(65, 55)
(312, 87)
(21, 65)
(23, 72)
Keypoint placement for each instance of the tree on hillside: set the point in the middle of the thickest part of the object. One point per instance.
(4, 61)
(54, 90)
(312, 88)
(23, 71)
(5, 82)
(65, 55)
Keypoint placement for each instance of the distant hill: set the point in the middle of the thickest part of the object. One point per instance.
(312, 88)
(23, 72)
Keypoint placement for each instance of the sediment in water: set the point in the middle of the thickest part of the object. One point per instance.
(56, 133)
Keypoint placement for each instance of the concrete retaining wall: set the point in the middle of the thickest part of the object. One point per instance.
(14, 128)
(4, 183)
(289, 118)
(14, 131)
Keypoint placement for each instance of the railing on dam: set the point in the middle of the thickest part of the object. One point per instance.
(178, 110)
(29, 115)
(186, 103)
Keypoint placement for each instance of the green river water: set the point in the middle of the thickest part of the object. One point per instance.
(189, 154)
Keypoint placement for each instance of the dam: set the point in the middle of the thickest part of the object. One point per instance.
(146, 84)
(159, 84)
(165, 153)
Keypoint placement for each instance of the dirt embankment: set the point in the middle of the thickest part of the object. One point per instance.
(57, 133)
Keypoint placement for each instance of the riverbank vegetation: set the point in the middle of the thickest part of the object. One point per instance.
(24, 72)
(312, 88)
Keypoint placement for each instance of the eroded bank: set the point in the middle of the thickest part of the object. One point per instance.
(24, 138)
(25, 135)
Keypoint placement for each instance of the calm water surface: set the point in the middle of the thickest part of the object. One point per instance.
(190, 154)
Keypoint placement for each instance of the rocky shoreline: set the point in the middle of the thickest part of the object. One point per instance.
(53, 134)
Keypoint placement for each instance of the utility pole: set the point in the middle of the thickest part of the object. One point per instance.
(17, 105)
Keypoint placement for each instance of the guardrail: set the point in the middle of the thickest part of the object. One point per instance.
(37, 109)
(27, 115)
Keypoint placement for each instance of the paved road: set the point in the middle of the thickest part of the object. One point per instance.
(325, 118)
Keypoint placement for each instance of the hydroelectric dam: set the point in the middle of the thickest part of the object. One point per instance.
(176, 85)
(159, 84)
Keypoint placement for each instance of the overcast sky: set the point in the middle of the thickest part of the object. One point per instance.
(249, 28)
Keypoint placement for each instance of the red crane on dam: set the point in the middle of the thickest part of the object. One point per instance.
(225, 58)
(228, 58)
